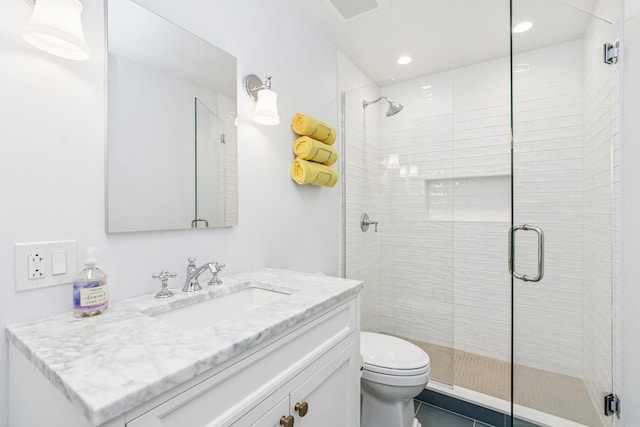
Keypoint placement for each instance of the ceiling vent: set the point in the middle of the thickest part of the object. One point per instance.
(351, 8)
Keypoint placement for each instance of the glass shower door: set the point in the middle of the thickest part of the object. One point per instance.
(562, 250)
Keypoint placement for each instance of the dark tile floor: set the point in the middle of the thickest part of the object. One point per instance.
(433, 416)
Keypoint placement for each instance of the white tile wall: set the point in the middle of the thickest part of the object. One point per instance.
(228, 114)
(548, 192)
(458, 128)
(362, 183)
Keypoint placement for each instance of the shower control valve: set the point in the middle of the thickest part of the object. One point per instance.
(365, 222)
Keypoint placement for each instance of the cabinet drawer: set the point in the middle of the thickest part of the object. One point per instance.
(215, 400)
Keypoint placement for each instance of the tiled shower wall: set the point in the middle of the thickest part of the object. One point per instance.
(362, 183)
(548, 192)
(444, 277)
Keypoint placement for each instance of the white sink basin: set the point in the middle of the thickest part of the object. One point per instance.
(220, 308)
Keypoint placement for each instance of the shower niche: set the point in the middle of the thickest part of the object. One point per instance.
(481, 198)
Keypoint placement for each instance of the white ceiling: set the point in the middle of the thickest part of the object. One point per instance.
(441, 34)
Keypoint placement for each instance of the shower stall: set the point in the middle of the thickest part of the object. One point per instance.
(493, 193)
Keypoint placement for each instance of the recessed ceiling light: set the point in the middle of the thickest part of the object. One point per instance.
(522, 27)
(425, 87)
(404, 60)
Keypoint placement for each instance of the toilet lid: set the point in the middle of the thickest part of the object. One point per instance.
(382, 353)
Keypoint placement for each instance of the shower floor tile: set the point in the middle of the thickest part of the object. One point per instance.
(556, 394)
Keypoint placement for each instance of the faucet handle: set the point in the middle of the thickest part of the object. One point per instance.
(217, 268)
(164, 276)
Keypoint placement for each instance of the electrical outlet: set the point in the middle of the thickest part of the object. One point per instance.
(36, 265)
(42, 264)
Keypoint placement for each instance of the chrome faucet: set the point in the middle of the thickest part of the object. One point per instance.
(193, 273)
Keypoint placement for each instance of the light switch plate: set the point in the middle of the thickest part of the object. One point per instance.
(43, 264)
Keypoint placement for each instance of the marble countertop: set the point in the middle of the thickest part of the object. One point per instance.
(111, 363)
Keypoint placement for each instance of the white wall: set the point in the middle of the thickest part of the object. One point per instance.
(52, 115)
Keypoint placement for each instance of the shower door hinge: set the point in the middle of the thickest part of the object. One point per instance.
(611, 405)
(611, 52)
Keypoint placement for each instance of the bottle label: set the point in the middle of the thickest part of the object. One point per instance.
(90, 297)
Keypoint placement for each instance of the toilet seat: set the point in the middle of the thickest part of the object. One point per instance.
(397, 380)
(397, 372)
(388, 355)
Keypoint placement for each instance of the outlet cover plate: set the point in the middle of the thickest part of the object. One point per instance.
(24, 252)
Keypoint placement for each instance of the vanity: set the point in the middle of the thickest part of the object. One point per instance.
(267, 348)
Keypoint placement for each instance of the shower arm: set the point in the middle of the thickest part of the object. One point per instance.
(365, 103)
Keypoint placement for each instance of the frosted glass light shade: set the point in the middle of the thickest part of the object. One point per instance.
(267, 108)
(56, 28)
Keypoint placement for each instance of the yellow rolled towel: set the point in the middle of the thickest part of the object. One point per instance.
(308, 126)
(307, 148)
(304, 172)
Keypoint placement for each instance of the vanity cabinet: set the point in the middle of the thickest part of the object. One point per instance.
(315, 363)
(323, 398)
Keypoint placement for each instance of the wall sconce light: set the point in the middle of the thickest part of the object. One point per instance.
(266, 108)
(56, 28)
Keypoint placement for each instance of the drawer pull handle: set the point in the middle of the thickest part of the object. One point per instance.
(302, 408)
(286, 421)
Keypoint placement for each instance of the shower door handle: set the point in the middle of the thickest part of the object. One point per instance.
(512, 260)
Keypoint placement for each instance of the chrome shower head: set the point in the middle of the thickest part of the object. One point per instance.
(394, 107)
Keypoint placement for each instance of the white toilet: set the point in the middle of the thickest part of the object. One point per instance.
(394, 372)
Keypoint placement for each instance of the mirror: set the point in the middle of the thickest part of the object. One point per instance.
(172, 139)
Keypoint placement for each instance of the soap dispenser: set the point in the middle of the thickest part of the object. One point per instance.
(90, 291)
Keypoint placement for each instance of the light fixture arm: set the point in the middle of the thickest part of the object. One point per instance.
(253, 85)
